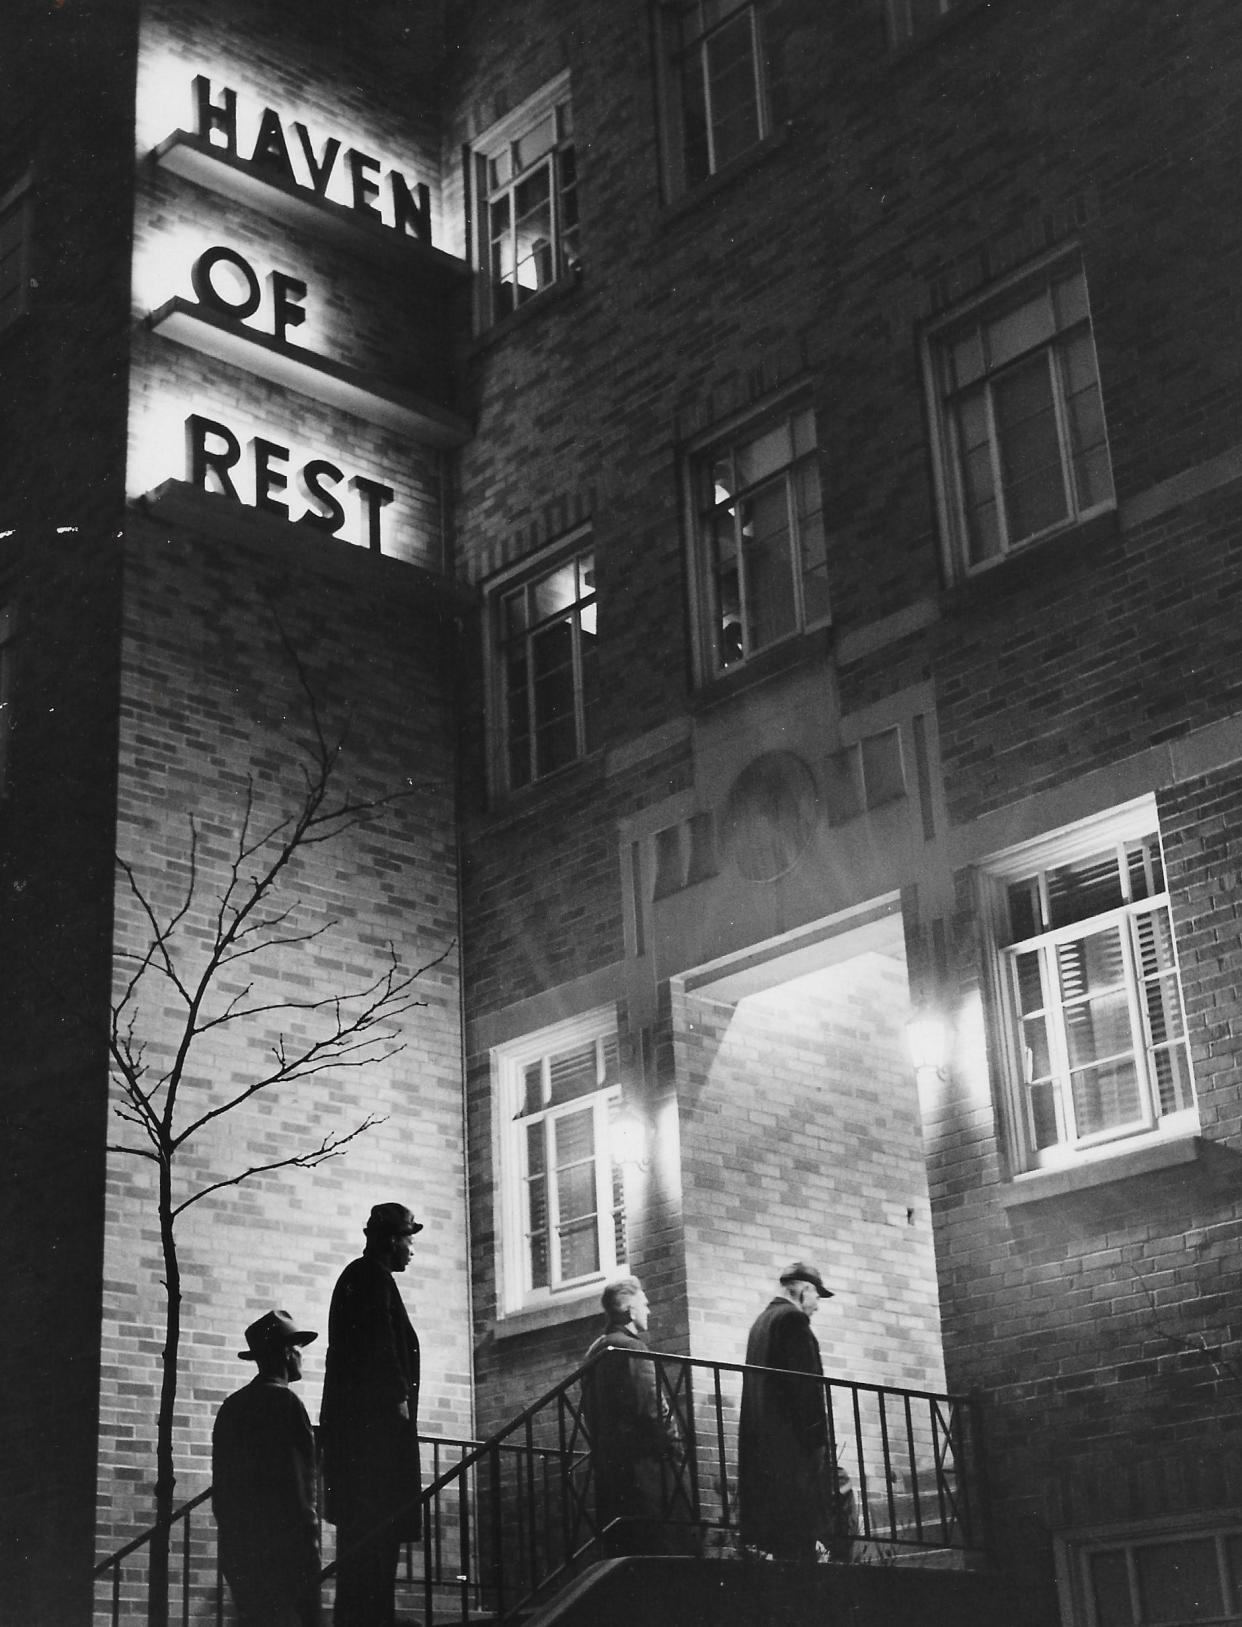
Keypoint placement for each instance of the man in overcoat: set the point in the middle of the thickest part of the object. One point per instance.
(634, 1440)
(791, 1492)
(369, 1421)
(263, 1484)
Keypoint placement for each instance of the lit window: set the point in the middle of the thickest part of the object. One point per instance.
(546, 668)
(1088, 984)
(562, 1192)
(759, 531)
(1016, 400)
(716, 98)
(909, 18)
(1172, 1578)
(7, 630)
(528, 202)
(14, 239)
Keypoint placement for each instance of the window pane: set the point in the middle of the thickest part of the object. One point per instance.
(554, 592)
(1030, 449)
(812, 543)
(1110, 1584)
(574, 1073)
(579, 1251)
(1044, 1130)
(1106, 1098)
(763, 456)
(731, 89)
(883, 778)
(696, 155)
(1178, 1581)
(1085, 888)
(771, 611)
(1011, 333)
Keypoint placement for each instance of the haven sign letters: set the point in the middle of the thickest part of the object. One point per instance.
(350, 176)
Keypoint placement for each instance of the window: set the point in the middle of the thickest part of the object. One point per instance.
(527, 186)
(909, 18)
(1020, 422)
(14, 238)
(547, 669)
(759, 529)
(1088, 984)
(1166, 1579)
(562, 1193)
(715, 94)
(868, 774)
(7, 629)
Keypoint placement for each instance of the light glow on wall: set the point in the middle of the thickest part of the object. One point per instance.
(160, 451)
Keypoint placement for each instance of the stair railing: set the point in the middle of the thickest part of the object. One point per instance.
(517, 1515)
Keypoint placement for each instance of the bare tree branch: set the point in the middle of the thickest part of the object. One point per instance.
(329, 1147)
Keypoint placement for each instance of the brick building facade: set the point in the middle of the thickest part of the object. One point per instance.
(765, 471)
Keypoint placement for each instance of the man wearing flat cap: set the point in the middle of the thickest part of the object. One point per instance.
(791, 1492)
(263, 1484)
(369, 1421)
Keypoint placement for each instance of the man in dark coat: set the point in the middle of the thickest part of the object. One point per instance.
(369, 1421)
(634, 1439)
(791, 1492)
(263, 1484)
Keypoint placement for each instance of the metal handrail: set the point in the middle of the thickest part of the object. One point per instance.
(519, 1513)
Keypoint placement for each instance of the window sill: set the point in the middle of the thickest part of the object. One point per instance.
(562, 288)
(1038, 1185)
(801, 650)
(555, 1314)
(506, 806)
(686, 202)
(1078, 546)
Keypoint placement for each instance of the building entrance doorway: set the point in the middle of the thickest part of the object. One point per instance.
(801, 1138)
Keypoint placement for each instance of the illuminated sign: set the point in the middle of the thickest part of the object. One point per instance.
(386, 197)
(215, 454)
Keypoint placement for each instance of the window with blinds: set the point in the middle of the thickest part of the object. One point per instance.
(1089, 981)
(564, 1186)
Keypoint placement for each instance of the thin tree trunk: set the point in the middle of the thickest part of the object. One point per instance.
(165, 1478)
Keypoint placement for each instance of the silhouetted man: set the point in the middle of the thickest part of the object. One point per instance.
(792, 1494)
(634, 1440)
(263, 1484)
(369, 1421)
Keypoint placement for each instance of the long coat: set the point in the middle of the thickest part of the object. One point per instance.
(263, 1497)
(782, 1437)
(634, 1443)
(370, 1453)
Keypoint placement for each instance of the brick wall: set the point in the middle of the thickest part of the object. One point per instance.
(212, 707)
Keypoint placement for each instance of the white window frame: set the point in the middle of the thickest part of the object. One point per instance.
(724, 640)
(980, 319)
(704, 20)
(510, 1062)
(501, 146)
(15, 266)
(1076, 1551)
(1127, 825)
(581, 616)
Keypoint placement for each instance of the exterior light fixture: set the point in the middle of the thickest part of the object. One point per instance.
(631, 1135)
(927, 1040)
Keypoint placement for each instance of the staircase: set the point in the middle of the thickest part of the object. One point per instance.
(512, 1530)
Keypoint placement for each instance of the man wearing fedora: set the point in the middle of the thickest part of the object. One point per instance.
(369, 1421)
(263, 1484)
(790, 1488)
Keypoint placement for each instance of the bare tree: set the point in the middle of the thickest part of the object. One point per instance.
(204, 955)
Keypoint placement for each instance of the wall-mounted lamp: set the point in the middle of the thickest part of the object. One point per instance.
(631, 1137)
(927, 1040)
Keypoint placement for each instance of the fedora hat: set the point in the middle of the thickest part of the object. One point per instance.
(799, 1271)
(273, 1328)
(392, 1220)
